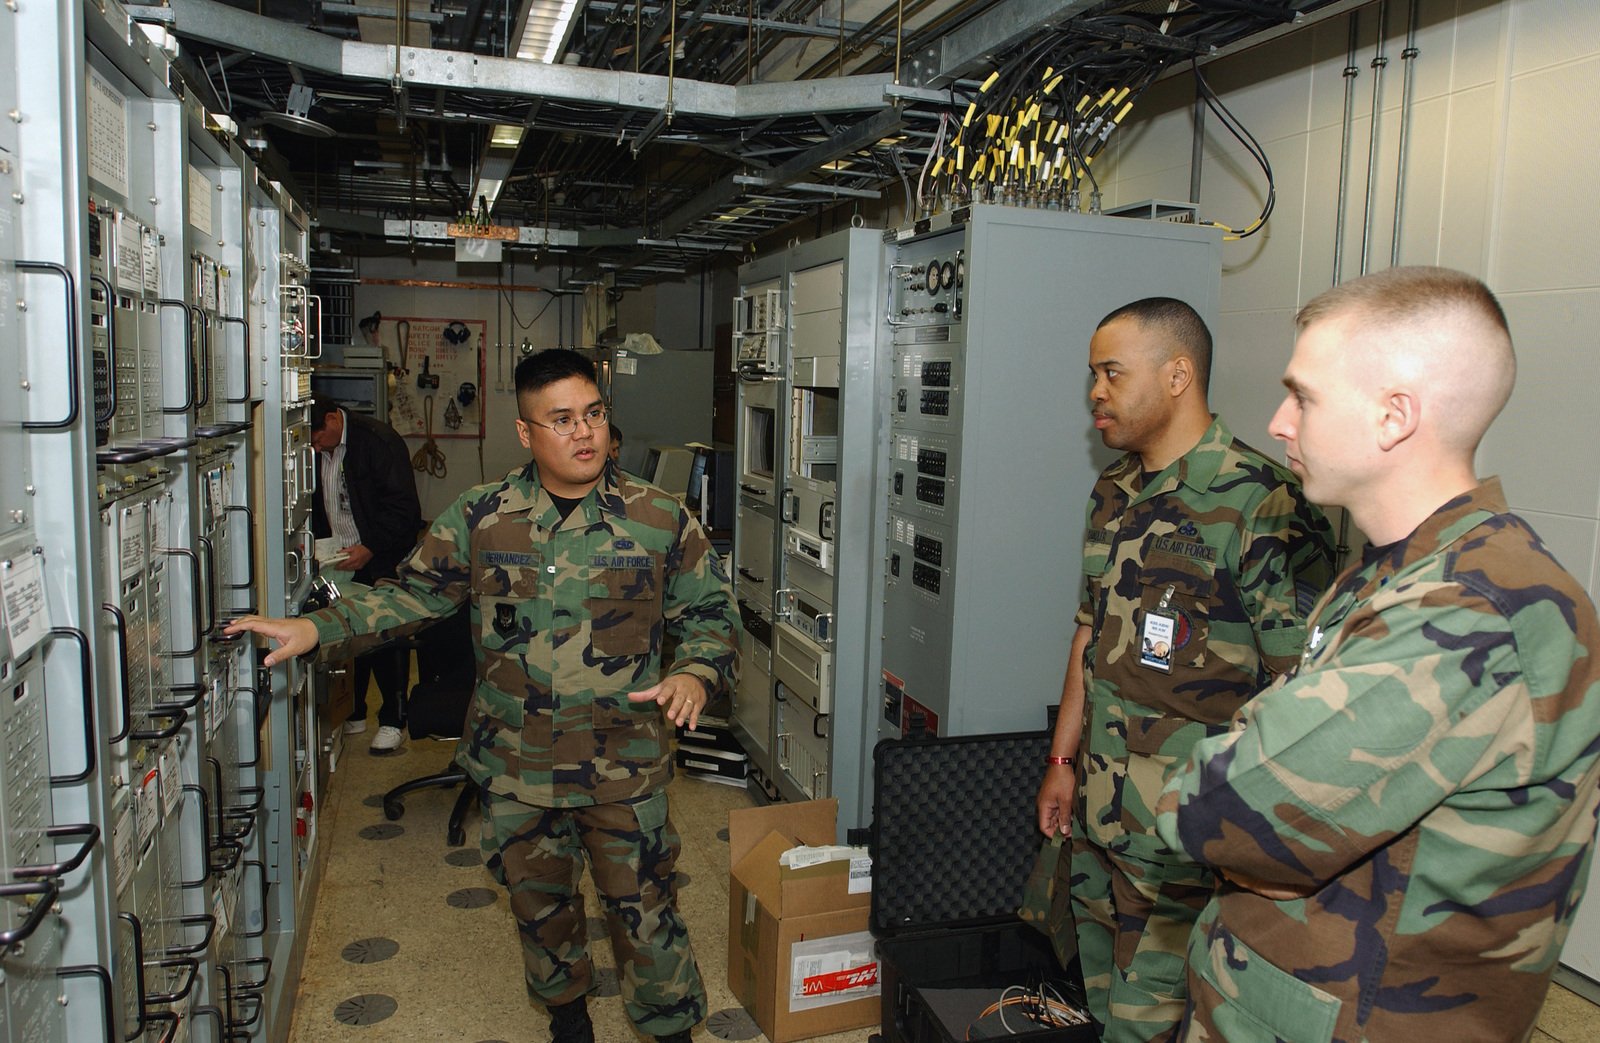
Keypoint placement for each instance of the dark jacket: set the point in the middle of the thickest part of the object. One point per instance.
(383, 495)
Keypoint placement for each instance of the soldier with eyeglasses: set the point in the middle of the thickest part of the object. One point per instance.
(575, 572)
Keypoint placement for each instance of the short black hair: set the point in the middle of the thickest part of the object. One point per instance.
(544, 368)
(320, 408)
(1178, 321)
(616, 429)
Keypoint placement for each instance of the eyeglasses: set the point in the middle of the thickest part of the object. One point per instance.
(566, 426)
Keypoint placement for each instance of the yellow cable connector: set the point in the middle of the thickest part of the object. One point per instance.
(1123, 93)
(972, 107)
(989, 82)
(1124, 112)
(1105, 97)
(1033, 112)
(961, 156)
(993, 125)
(938, 166)
(977, 168)
(1083, 101)
(1050, 88)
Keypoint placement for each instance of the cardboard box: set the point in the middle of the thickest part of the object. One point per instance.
(800, 957)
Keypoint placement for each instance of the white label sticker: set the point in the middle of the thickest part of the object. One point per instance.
(860, 875)
(828, 971)
(27, 614)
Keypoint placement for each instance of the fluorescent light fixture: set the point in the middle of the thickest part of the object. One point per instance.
(505, 135)
(546, 29)
(488, 188)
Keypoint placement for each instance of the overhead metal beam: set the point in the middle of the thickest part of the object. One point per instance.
(421, 67)
(982, 40)
(719, 195)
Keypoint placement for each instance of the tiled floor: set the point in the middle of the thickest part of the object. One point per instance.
(412, 940)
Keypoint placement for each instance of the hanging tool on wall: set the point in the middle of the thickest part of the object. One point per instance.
(429, 459)
(427, 379)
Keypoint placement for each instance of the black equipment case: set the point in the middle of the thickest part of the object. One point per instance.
(953, 841)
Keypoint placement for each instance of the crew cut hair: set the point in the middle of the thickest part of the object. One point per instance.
(1406, 295)
(1178, 321)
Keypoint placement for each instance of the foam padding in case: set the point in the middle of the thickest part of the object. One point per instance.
(954, 832)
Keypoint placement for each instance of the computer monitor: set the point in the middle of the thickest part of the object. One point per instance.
(711, 486)
(668, 466)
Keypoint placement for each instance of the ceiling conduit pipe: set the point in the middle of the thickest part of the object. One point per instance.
(1341, 548)
(1346, 131)
(1379, 60)
(1409, 57)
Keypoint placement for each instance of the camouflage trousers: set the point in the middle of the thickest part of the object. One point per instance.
(631, 849)
(1133, 924)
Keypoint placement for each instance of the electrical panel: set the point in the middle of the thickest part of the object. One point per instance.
(805, 318)
(154, 774)
(990, 454)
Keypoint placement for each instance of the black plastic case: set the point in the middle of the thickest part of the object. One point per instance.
(953, 841)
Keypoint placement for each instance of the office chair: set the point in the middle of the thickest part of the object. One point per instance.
(446, 675)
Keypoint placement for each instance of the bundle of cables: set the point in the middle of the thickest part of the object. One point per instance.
(1028, 1008)
(1030, 133)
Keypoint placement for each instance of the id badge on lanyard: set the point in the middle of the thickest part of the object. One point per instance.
(1158, 634)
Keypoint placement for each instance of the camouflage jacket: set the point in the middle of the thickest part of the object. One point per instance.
(1225, 538)
(568, 617)
(1427, 779)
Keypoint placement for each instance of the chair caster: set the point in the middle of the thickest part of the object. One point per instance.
(393, 809)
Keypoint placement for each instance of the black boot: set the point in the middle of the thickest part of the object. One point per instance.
(682, 1036)
(569, 1022)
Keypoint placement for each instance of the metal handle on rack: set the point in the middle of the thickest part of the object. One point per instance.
(193, 691)
(138, 970)
(293, 554)
(314, 329)
(222, 794)
(205, 359)
(205, 834)
(781, 609)
(205, 920)
(210, 556)
(261, 870)
(178, 717)
(88, 830)
(266, 975)
(122, 672)
(188, 357)
(244, 376)
(103, 976)
(48, 889)
(784, 739)
(86, 670)
(194, 600)
(255, 730)
(751, 576)
(74, 350)
(789, 506)
(249, 555)
(111, 351)
(188, 963)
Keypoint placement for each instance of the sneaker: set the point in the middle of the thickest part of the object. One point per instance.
(355, 726)
(387, 740)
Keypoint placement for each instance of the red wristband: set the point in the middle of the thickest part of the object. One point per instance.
(1058, 760)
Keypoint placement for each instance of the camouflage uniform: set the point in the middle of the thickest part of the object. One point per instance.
(569, 617)
(1427, 778)
(1224, 536)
